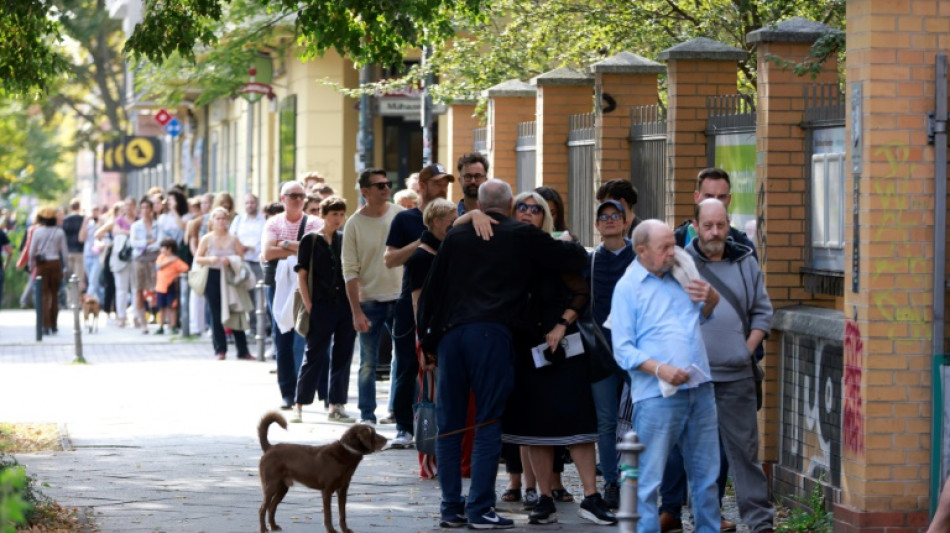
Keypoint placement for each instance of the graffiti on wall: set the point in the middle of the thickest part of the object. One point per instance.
(905, 257)
(853, 412)
(811, 407)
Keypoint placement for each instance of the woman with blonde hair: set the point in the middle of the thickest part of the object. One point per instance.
(217, 250)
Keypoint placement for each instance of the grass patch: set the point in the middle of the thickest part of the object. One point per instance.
(29, 438)
(23, 507)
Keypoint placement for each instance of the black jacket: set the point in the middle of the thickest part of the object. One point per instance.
(327, 275)
(473, 280)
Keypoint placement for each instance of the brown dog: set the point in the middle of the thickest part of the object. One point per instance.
(90, 312)
(327, 468)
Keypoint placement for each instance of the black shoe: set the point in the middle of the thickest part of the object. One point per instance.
(612, 495)
(544, 512)
(530, 499)
(594, 509)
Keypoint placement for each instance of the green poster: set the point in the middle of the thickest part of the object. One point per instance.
(735, 153)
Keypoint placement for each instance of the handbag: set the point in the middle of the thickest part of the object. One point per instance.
(599, 351)
(198, 279)
(301, 315)
(125, 254)
(424, 425)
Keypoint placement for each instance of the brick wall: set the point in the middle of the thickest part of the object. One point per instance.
(461, 120)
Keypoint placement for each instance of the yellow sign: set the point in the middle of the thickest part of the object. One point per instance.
(132, 153)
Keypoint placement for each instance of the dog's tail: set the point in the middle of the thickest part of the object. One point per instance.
(265, 422)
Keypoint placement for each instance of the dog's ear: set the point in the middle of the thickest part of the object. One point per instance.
(367, 439)
(354, 438)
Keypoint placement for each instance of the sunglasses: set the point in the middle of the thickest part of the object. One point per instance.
(605, 218)
(534, 209)
(295, 196)
(382, 185)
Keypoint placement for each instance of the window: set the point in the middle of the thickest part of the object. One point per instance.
(827, 200)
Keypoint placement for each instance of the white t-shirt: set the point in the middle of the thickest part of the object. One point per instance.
(249, 230)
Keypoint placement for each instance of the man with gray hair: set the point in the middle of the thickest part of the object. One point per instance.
(655, 326)
(731, 337)
(467, 320)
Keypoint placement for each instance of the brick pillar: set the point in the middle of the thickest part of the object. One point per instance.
(460, 120)
(625, 80)
(696, 69)
(509, 103)
(781, 183)
(561, 92)
(886, 446)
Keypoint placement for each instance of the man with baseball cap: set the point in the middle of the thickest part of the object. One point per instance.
(402, 241)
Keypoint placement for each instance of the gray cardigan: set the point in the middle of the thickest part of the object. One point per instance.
(48, 242)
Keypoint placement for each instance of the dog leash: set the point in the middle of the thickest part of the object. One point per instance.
(463, 430)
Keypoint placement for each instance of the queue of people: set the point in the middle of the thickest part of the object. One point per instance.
(531, 347)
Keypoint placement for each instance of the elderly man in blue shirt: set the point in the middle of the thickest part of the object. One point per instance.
(655, 323)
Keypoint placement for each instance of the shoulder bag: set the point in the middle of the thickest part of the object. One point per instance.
(198, 278)
(599, 351)
(733, 300)
(301, 315)
(424, 425)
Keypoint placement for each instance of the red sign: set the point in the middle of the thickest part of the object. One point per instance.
(162, 117)
(258, 88)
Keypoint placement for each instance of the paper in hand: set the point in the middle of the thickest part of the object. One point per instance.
(696, 377)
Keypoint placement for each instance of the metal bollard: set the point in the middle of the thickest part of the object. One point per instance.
(630, 449)
(38, 305)
(73, 295)
(184, 295)
(261, 311)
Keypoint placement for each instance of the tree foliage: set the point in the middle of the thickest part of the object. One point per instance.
(29, 61)
(378, 32)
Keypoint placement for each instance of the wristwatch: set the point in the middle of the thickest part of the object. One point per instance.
(563, 321)
(283, 244)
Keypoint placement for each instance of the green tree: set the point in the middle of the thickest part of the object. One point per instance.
(29, 60)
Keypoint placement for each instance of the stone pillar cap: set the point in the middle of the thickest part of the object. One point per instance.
(513, 87)
(703, 48)
(627, 63)
(562, 76)
(793, 30)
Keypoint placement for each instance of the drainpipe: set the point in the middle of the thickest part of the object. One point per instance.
(938, 123)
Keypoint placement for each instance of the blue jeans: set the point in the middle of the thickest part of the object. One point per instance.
(687, 418)
(606, 394)
(476, 357)
(407, 365)
(673, 490)
(93, 288)
(288, 348)
(380, 316)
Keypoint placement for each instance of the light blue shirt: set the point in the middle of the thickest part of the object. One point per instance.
(653, 318)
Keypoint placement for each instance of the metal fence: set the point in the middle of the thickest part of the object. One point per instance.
(527, 155)
(727, 113)
(648, 160)
(480, 140)
(580, 178)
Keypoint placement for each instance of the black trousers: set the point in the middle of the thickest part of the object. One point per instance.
(218, 339)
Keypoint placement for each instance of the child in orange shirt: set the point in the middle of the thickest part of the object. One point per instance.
(168, 267)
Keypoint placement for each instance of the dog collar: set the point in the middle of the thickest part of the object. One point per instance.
(351, 449)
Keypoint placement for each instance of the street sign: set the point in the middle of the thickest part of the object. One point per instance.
(133, 153)
(173, 127)
(163, 117)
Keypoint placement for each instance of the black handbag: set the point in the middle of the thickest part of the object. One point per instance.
(424, 425)
(599, 351)
(125, 254)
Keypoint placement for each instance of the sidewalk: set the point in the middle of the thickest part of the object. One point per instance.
(163, 438)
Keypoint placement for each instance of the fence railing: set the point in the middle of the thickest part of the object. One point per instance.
(824, 104)
(580, 178)
(648, 160)
(730, 112)
(526, 155)
(480, 140)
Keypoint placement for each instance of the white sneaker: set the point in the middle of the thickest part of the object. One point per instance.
(297, 417)
(337, 414)
(403, 440)
(367, 422)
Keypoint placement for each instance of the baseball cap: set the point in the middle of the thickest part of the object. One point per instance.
(433, 172)
(613, 203)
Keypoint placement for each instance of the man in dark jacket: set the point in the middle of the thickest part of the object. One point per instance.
(467, 315)
(712, 183)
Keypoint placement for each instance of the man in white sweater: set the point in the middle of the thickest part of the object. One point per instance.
(371, 288)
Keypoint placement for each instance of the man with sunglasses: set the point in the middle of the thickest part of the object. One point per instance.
(282, 233)
(404, 237)
(371, 288)
(472, 171)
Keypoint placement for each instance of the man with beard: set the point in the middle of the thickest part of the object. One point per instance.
(472, 171)
(655, 323)
(731, 337)
(402, 241)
